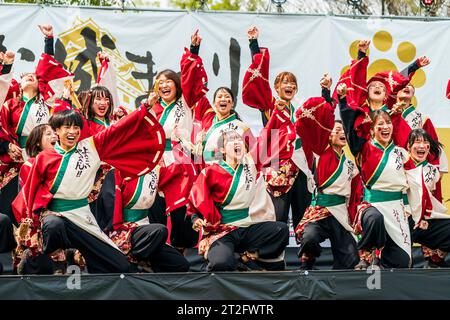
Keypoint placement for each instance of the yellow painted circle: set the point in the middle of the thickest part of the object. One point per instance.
(380, 65)
(353, 50)
(345, 69)
(419, 78)
(382, 40)
(406, 51)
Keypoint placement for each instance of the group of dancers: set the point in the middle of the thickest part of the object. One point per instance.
(85, 182)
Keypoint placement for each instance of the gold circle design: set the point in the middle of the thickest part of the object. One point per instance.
(380, 65)
(406, 51)
(419, 79)
(382, 40)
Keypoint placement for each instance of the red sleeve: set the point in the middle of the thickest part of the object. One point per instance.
(35, 195)
(358, 78)
(401, 130)
(7, 132)
(25, 172)
(176, 184)
(201, 199)
(51, 76)
(448, 90)
(355, 79)
(118, 200)
(193, 78)
(430, 129)
(314, 124)
(203, 112)
(133, 145)
(275, 140)
(256, 91)
(355, 198)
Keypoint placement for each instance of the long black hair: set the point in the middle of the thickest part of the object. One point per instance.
(87, 100)
(420, 133)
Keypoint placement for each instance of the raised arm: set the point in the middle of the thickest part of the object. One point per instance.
(325, 84)
(47, 31)
(193, 75)
(354, 121)
(256, 91)
(50, 73)
(9, 88)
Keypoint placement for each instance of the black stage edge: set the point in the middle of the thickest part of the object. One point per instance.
(400, 284)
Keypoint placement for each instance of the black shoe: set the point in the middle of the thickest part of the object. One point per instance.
(254, 266)
(362, 265)
(430, 264)
(241, 266)
(308, 265)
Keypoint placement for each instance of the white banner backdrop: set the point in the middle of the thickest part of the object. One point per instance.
(141, 43)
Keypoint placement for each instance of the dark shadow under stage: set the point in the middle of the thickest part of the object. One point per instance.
(395, 284)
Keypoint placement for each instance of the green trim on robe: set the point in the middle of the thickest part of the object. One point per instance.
(63, 166)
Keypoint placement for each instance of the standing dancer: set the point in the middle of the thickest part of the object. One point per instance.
(381, 219)
(431, 228)
(290, 183)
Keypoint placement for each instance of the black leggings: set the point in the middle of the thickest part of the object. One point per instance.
(148, 243)
(269, 239)
(182, 234)
(375, 236)
(343, 245)
(298, 197)
(436, 236)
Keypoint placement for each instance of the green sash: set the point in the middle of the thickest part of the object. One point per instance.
(61, 205)
(133, 215)
(229, 216)
(407, 111)
(327, 200)
(100, 122)
(372, 196)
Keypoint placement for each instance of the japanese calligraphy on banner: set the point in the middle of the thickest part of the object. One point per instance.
(141, 43)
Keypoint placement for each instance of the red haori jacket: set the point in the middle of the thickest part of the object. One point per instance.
(315, 121)
(172, 180)
(256, 91)
(211, 184)
(355, 79)
(193, 78)
(51, 76)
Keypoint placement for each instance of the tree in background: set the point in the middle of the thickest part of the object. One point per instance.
(365, 7)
